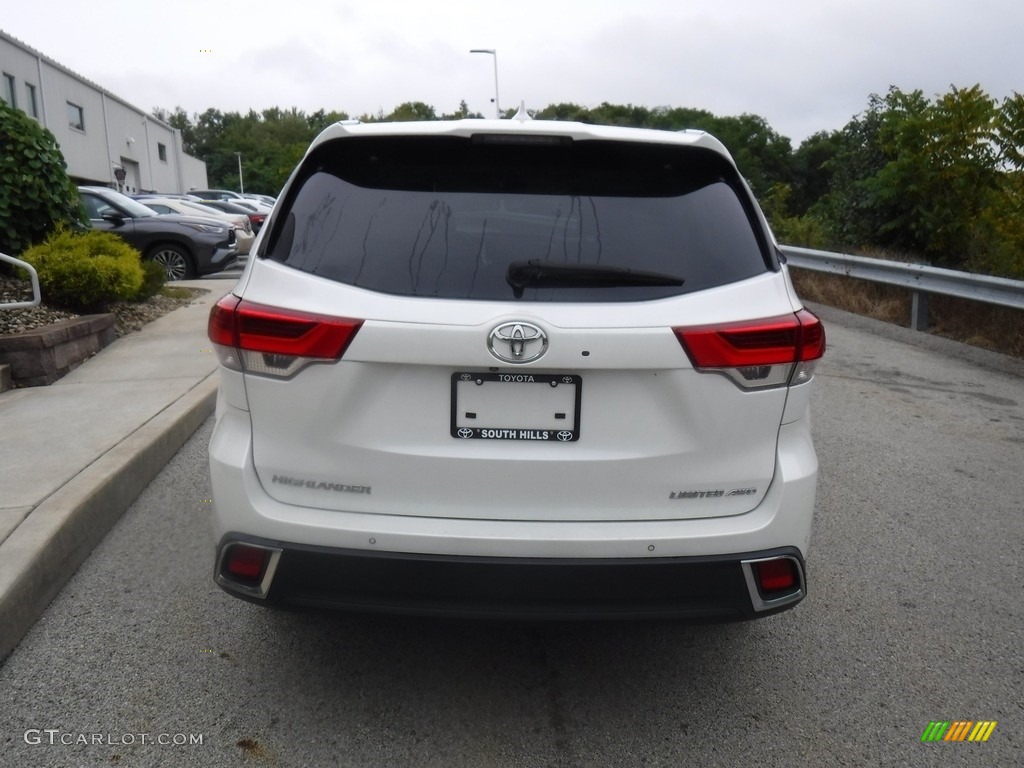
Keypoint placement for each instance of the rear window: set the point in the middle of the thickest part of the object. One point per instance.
(446, 217)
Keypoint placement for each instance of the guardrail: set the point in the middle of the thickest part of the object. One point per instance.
(36, 295)
(921, 279)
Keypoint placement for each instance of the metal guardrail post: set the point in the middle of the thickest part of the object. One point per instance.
(920, 279)
(36, 295)
(920, 315)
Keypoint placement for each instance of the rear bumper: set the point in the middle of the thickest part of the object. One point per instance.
(783, 519)
(712, 588)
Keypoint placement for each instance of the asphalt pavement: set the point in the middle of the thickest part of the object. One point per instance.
(914, 616)
(75, 454)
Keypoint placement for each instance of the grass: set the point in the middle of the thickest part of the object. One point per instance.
(999, 329)
(175, 293)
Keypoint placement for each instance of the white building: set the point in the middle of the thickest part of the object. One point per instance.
(105, 140)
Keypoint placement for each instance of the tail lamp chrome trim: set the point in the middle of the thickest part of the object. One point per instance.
(259, 590)
(761, 604)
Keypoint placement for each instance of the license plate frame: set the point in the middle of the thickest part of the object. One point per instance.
(548, 403)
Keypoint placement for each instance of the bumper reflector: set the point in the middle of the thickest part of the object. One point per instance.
(774, 582)
(247, 568)
(776, 576)
(244, 562)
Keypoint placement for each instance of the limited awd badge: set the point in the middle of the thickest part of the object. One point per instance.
(517, 342)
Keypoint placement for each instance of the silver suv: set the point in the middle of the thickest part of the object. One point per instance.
(515, 368)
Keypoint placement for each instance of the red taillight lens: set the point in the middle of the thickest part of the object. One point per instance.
(244, 562)
(756, 354)
(787, 339)
(274, 341)
(812, 340)
(777, 575)
(221, 325)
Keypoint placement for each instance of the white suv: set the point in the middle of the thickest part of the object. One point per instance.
(515, 368)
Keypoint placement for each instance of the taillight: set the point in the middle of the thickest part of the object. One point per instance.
(759, 354)
(273, 341)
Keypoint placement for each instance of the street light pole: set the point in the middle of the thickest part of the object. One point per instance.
(494, 53)
(241, 187)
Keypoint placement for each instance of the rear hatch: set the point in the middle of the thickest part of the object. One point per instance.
(520, 328)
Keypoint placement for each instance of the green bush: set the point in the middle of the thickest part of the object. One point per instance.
(154, 277)
(86, 271)
(36, 194)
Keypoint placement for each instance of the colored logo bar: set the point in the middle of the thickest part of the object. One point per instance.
(958, 730)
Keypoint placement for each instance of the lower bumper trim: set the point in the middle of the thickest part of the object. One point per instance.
(710, 588)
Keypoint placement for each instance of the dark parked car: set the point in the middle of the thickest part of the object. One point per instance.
(186, 246)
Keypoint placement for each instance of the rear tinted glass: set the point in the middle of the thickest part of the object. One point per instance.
(445, 217)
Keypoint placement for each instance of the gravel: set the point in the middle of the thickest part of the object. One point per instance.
(130, 315)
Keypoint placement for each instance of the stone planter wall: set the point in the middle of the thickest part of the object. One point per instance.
(40, 357)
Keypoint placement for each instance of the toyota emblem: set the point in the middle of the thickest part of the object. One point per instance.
(517, 342)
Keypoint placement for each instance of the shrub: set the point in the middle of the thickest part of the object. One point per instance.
(86, 271)
(36, 194)
(154, 276)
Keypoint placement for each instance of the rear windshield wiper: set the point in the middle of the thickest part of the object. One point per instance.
(522, 274)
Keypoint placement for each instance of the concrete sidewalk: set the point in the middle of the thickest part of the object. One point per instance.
(76, 454)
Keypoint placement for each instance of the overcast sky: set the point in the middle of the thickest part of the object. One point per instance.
(803, 65)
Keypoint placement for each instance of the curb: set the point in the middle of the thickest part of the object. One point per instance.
(46, 549)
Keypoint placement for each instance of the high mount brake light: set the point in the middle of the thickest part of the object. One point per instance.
(758, 354)
(273, 341)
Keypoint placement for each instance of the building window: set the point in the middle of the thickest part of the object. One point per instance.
(9, 94)
(161, 151)
(76, 117)
(33, 102)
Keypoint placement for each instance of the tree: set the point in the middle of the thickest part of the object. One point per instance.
(565, 112)
(462, 113)
(1005, 217)
(680, 119)
(762, 155)
(410, 111)
(919, 175)
(812, 167)
(36, 195)
(320, 119)
(270, 142)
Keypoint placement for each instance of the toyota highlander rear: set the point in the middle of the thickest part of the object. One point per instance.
(515, 368)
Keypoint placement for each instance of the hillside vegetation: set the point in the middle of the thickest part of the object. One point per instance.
(939, 178)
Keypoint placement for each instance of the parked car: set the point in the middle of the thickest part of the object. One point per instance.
(235, 206)
(257, 205)
(244, 234)
(145, 195)
(216, 194)
(265, 199)
(186, 246)
(515, 368)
